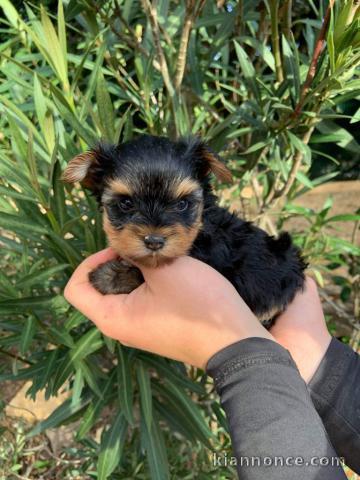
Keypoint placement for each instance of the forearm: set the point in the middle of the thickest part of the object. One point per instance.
(335, 392)
(275, 430)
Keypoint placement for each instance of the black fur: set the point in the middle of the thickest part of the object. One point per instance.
(267, 272)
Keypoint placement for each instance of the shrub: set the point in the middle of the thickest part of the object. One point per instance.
(266, 83)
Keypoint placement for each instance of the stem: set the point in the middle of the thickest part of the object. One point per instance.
(187, 27)
(134, 42)
(287, 18)
(275, 39)
(295, 166)
(191, 14)
(17, 357)
(319, 46)
(240, 19)
(152, 15)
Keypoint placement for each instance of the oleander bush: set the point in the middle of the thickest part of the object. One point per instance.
(272, 85)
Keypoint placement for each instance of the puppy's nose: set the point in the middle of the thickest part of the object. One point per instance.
(154, 242)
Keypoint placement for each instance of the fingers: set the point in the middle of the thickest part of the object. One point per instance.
(94, 260)
(79, 291)
(176, 270)
(305, 308)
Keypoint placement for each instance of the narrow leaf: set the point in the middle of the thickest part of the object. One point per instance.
(112, 445)
(145, 393)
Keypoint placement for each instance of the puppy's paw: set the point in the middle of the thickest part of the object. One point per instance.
(115, 276)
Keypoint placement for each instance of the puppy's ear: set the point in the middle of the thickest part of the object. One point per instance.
(80, 169)
(90, 168)
(213, 163)
(205, 160)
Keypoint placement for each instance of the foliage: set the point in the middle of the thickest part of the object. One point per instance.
(236, 73)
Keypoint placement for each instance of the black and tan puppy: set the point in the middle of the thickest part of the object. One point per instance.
(158, 205)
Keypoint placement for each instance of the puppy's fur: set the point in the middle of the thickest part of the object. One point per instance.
(158, 205)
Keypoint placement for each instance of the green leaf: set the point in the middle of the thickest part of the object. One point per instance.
(343, 218)
(10, 12)
(57, 200)
(248, 70)
(27, 334)
(62, 33)
(145, 393)
(17, 136)
(78, 386)
(94, 409)
(154, 444)
(125, 387)
(57, 57)
(83, 131)
(343, 245)
(304, 179)
(112, 445)
(90, 376)
(105, 108)
(22, 118)
(75, 319)
(21, 305)
(59, 416)
(300, 146)
(60, 336)
(292, 69)
(167, 370)
(356, 116)
(254, 148)
(39, 277)
(40, 103)
(88, 344)
(185, 410)
(263, 50)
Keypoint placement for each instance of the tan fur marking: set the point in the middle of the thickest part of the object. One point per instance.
(128, 242)
(185, 187)
(270, 314)
(220, 171)
(77, 169)
(120, 187)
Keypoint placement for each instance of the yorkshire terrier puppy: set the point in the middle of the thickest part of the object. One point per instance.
(158, 205)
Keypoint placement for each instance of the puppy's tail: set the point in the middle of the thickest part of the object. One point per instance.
(280, 244)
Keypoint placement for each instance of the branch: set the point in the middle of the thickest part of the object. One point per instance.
(274, 4)
(187, 27)
(319, 46)
(135, 43)
(17, 357)
(152, 15)
(190, 16)
(287, 18)
(295, 166)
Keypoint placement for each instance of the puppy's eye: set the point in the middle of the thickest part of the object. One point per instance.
(182, 205)
(126, 204)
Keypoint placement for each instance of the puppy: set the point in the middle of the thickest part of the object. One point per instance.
(158, 205)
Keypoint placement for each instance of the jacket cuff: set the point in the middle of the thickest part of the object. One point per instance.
(246, 353)
(330, 373)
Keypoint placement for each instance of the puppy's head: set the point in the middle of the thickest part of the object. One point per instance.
(152, 193)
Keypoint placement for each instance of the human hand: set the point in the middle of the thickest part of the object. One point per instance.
(186, 310)
(302, 330)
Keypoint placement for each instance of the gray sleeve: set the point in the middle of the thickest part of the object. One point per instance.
(335, 392)
(275, 430)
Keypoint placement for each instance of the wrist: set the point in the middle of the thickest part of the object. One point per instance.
(229, 336)
(306, 349)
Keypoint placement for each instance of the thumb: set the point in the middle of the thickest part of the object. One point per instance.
(80, 292)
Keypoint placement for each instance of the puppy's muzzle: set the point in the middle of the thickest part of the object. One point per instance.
(154, 242)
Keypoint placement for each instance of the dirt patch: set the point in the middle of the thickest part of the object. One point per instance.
(346, 199)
